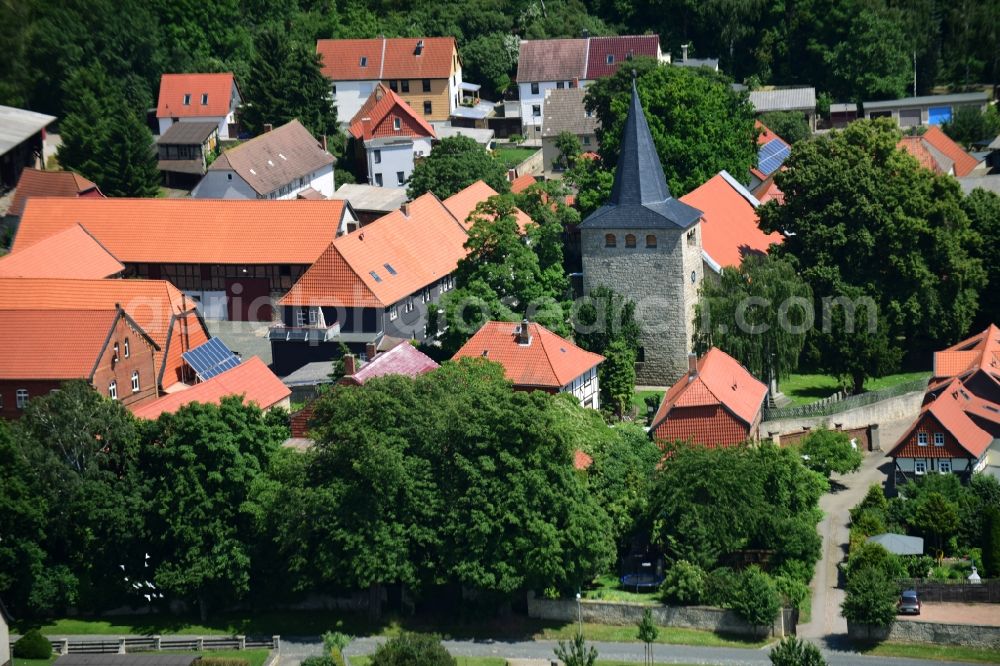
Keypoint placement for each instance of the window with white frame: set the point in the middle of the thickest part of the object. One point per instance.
(313, 316)
(135, 382)
(919, 466)
(400, 178)
(187, 99)
(408, 305)
(115, 351)
(944, 466)
(113, 390)
(126, 348)
(22, 398)
(377, 156)
(536, 110)
(393, 313)
(300, 317)
(921, 439)
(204, 98)
(397, 124)
(425, 295)
(939, 439)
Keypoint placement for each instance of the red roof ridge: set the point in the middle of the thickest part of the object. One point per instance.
(964, 162)
(378, 105)
(173, 84)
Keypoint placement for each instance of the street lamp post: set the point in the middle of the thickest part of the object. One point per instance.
(579, 612)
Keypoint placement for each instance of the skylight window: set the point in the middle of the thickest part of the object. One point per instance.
(375, 275)
(611, 59)
(187, 99)
(204, 98)
(364, 61)
(388, 267)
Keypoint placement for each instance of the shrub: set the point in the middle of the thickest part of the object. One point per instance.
(412, 650)
(334, 643)
(32, 646)
(796, 570)
(226, 661)
(793, 591)
(793, 652)
(873, 555)
(917, 566)
(684, 583)
(720, 585)
(756, 598)
(871, 598)
(324, 660)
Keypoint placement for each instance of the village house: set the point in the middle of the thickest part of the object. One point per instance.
(426, 72)
(962, 163)
(565, 112)
(403, 359)
(184, 152)
(647, 246)
(772, 151)
(187, 98)
(927, 155)
(463, 204)
(717, 403)
(22, 134)
(72, 253)
(365, 286)
(158, 309)
(231, 257)
(370, 202)
(282, 163)
(536, 359)
(555, 64)
(39, 183)
(729, 230)
(389, 136)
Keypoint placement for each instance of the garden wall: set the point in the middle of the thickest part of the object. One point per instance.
(912, 631)
(719, 620)
(905, 406)
(533, 165)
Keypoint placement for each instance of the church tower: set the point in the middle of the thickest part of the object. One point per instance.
(646, 246)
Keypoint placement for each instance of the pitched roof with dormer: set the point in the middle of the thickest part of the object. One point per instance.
(72, 253)
(954, 409)
(606, 54)
(174, 87)
(382, 108)
(545, 361)
(979, 352)
(640, 197)
(387, 58)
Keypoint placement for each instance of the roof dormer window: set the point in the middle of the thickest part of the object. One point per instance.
(187, 99)
(610, 59)
(397, 124)
(204, 99)
(364, 61)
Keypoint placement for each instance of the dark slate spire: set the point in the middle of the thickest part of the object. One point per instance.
(640, 197)
(639, 178)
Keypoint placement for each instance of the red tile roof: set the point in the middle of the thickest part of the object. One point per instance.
(251, 379)
(914, 145)
(153, 304)
(403, 359)
(721, 380)
(729, 221)
(768, 190)
(549, 361)
(191, 231)
(964, 162)
(463, 203)
(951, 409)
(394, 58)
(422, 247)
(979, 352)
(173, 87)
(35, 183)
(521, 183)
(72, 253)
(382, 108)
(53, 344)
(620, 48)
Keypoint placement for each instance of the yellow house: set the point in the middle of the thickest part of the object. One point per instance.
(426, 72)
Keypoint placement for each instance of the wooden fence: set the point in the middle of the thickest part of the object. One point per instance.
(960, 591)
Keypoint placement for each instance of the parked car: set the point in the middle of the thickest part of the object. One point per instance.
(908, 603)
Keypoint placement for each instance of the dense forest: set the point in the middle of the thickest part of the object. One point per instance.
(845, 48)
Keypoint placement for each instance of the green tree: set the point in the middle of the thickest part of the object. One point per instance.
(872, 61)
(983, 209)
(593, 183)
(882, 243)
(617, 378)
(569, 149)
(758, 313)
(829, 451)
(286, 83)
(453, 165)
(604, 316)
(490, 60)
(201, 462)
(756, 598)
(870, 555)
(648, 632)
(792, 651)
(699, 124)
(684, 583)
(991, 542)
(789, 125)
(936, 516)
(871, 598)
(969, 124)
(410, 649)
(576, 652)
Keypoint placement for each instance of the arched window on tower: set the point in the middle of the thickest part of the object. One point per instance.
(629, 240)
(650, 241)
(610, 240)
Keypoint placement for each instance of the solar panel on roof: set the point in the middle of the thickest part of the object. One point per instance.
(388, 267)
(772, 155)
(375, 275)
(211, 358)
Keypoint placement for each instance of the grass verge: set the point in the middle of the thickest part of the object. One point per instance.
(934, 652)
(256, 657)
(804, 389)
(630, 634)
(33, 662)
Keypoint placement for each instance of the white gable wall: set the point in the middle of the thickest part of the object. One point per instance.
(350, 97)
(393, 159)
(223, 184)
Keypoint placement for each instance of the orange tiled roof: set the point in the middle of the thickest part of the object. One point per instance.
(191, 231)
(463, 203)
(721, 380)
(36, 183)
(394, 58)
(768, 190)
(549, 361)
(173, 87)
(521, 183)
(53, 344)
(914, 145)
(981, 351)
(381, 108)
(421, 247)
(153, 304)
(729, 221)
(251, 379)
(964, 162)
(72, 253)
(952, 409)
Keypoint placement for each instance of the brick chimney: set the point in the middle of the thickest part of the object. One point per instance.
(324, 142)
(370, 350)
(268, 127)
(366, 128)
(405, 209)
(350, 366)
(524, 333)
(692, 366)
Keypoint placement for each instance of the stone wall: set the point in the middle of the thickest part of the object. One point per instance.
(533, 165)
(914, 631)
(693, 617)
(905, 406)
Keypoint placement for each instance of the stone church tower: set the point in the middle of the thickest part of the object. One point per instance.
(646, 245)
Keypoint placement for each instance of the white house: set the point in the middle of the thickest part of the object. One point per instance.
(199, 98)
(392, 136)
(285, 163)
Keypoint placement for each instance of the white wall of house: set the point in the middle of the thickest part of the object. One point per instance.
(388, 161)
(585, 388)
(921, 466)
(350, 96)
(455, 89)
(4, 641)
(227, 184)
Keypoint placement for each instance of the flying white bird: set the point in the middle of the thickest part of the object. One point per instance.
(147, 597)
(122, 566)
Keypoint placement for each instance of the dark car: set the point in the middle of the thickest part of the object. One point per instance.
(908, 603)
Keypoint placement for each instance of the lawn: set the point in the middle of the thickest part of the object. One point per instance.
(510, 157)
(255, 657)
(462, 661)
(33, 662)
(607, 588)
(935, 652)
(804, 389)
(629, 634)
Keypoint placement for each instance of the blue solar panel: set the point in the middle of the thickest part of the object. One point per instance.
(772, 155)
(211, 358)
